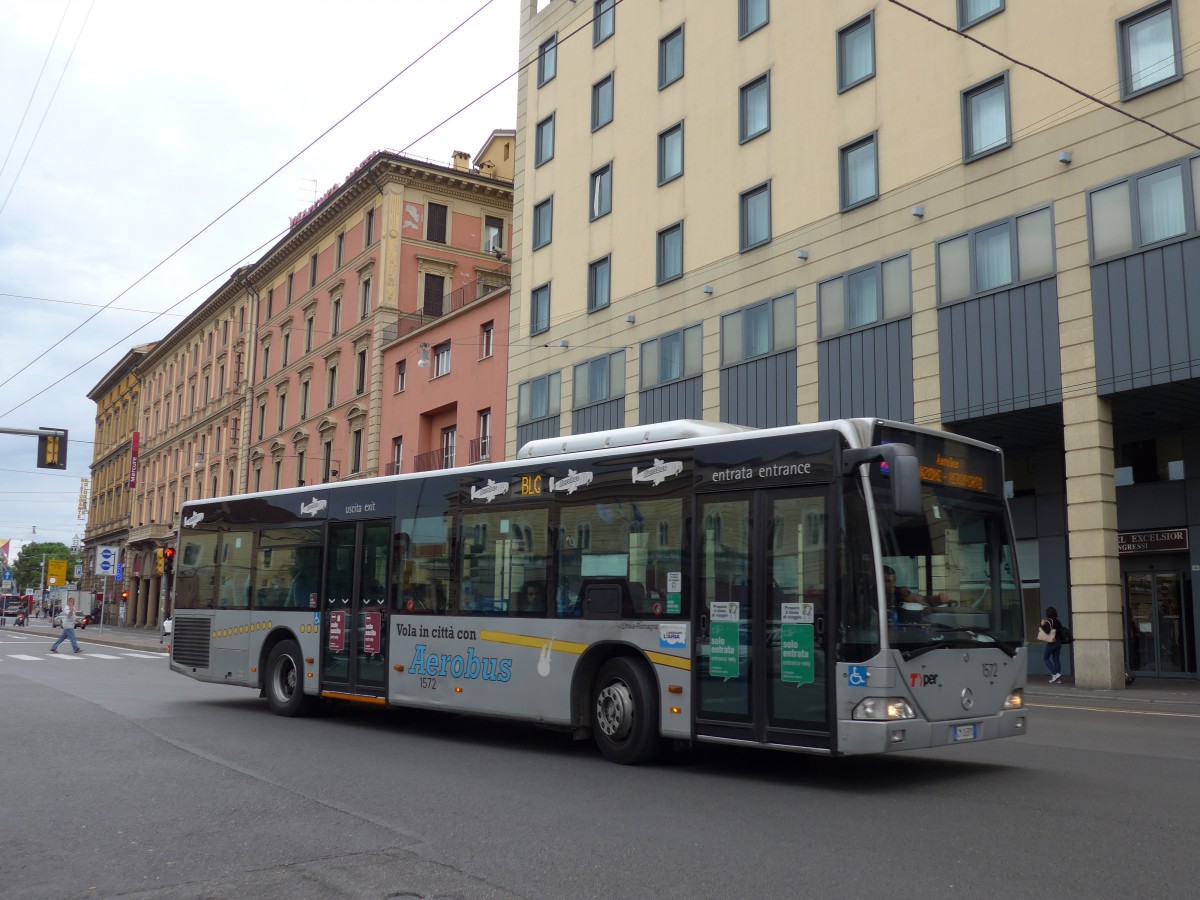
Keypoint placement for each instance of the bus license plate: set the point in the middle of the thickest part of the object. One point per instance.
(964, 732)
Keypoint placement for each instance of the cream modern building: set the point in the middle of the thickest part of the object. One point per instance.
(970, 214)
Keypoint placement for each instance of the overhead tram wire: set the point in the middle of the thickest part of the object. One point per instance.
(50, 103)
(242, 199)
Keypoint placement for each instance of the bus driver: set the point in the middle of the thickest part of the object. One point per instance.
(899, 598)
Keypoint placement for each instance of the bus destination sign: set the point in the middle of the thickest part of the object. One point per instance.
(952, 472)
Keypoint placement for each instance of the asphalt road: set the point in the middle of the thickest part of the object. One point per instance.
(122, 779)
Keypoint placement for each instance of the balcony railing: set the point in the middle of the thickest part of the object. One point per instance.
(480, 450)
(434, 459)
(456, 300)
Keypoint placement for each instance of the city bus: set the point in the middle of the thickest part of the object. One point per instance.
(15, 605)
(645, 587)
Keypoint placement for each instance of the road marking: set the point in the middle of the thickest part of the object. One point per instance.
(62, 654)
(101, 656)
(147, 655)
(1109, 709)
(23, 656)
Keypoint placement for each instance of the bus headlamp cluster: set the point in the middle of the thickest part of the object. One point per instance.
(883, 709)
(1016, 700)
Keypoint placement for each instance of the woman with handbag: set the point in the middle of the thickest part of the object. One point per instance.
(1050, 633)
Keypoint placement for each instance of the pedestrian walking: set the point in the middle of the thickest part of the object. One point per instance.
(1050, 633)
(68, 627)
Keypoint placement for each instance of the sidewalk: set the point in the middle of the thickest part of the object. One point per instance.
(1142, 691)
(108, 635)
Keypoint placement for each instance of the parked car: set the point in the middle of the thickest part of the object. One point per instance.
(82, 620)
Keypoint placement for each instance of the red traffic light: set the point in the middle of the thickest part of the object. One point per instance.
(124, 595)
(169, 553)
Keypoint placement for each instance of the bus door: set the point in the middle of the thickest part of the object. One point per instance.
(354, 639)
(761, 665)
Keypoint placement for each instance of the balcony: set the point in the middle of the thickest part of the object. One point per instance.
(434, 459)
(452, 302)
(480, 450)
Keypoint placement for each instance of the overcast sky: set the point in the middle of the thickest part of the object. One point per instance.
(145, 120)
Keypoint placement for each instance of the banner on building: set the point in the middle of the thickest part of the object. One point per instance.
(133, 460)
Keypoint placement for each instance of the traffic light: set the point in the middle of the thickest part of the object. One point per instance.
(158, 561)
(52, 450)
(169, 559)
(124, 596)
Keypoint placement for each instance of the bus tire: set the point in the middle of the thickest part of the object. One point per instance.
(625, 713)
(284, 681)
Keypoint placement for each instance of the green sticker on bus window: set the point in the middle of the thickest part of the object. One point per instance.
(674, 593)
(724, 647)
(796, 655)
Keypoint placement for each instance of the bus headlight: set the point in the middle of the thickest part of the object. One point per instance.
(883, 709)
(1016, 700)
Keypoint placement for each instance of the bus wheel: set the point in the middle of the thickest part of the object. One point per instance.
(625, 713)
(285, 687)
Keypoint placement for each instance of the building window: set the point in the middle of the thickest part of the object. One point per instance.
(327, 470)
(435, 223)
(401, 376)
(305, 391)
(671, 357)
(878, 292)
(493, 234)
(270, 304)
(856, 53)
(360, 372)
(754, 108)
(670, 58)
(485, 434)
(547, 66)
(604, 20)
(543, 223)
(310, 325)
(312, 271)
(277, 474)
(397, 455)
(1149, 207)
(758, 330)
(291, 283)
(340, 253)
(336, 317)
(449, 445)
(369, 228)
(859, 165)
(972, 11)
(487, 340)
(599, 379)
(262, 418)
(539, 398)
(600, 192)
(670, 154)
(669, 253)
(752, 15)
(266, 363)
(364, 298)
(300, 468)
(602, 102)
(356, 448)
(996, 255)
(331, 382)
(435, 290)
(282, 413)
(539, 309)
(1149, 50)
(599, 284)
(543, 147)
(441, 360)
(754, 209)
(286, 348)
(985, 118)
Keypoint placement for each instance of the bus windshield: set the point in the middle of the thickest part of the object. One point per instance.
(949, 575)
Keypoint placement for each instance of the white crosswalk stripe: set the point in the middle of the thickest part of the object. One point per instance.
(101, 656)
(145, 655)
(69, 654)
(23, 656)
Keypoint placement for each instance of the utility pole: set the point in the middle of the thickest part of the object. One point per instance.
(42, 584)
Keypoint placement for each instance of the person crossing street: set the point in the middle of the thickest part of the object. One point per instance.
(68, 628)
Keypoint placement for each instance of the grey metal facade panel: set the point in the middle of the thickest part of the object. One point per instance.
(599, 416)
(677, 400)
(867, 373)
(1145, 328)
(760, 392)
(538, 429)
(999, 352)
(1158, 504)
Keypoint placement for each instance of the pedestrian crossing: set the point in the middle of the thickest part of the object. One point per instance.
(43, 653)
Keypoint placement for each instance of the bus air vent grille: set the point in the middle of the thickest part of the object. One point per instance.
(189, 643)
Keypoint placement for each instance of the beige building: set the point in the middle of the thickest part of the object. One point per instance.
(117, 397)
(767, 212)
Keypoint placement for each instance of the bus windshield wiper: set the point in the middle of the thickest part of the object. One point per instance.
(959, 642)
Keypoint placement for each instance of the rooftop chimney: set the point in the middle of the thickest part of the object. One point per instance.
(462, 160)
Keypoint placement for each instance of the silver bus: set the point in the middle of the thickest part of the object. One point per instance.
(845, 587)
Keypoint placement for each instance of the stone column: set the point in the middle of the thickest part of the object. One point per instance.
(1099, 648)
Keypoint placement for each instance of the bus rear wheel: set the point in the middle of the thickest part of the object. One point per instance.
(625, 713)
(285, 685)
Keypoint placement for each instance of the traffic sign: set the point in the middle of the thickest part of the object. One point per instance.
(120, 576)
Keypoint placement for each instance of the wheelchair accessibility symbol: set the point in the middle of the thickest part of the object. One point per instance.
(857, 676)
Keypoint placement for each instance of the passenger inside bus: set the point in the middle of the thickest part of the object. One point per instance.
(531, 601)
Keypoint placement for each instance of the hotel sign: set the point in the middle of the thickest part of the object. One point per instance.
(1167, 540)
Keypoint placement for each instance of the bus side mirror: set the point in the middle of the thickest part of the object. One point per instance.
(903, 467)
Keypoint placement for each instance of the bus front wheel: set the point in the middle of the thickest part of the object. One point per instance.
(625, 713)
(285, 685)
